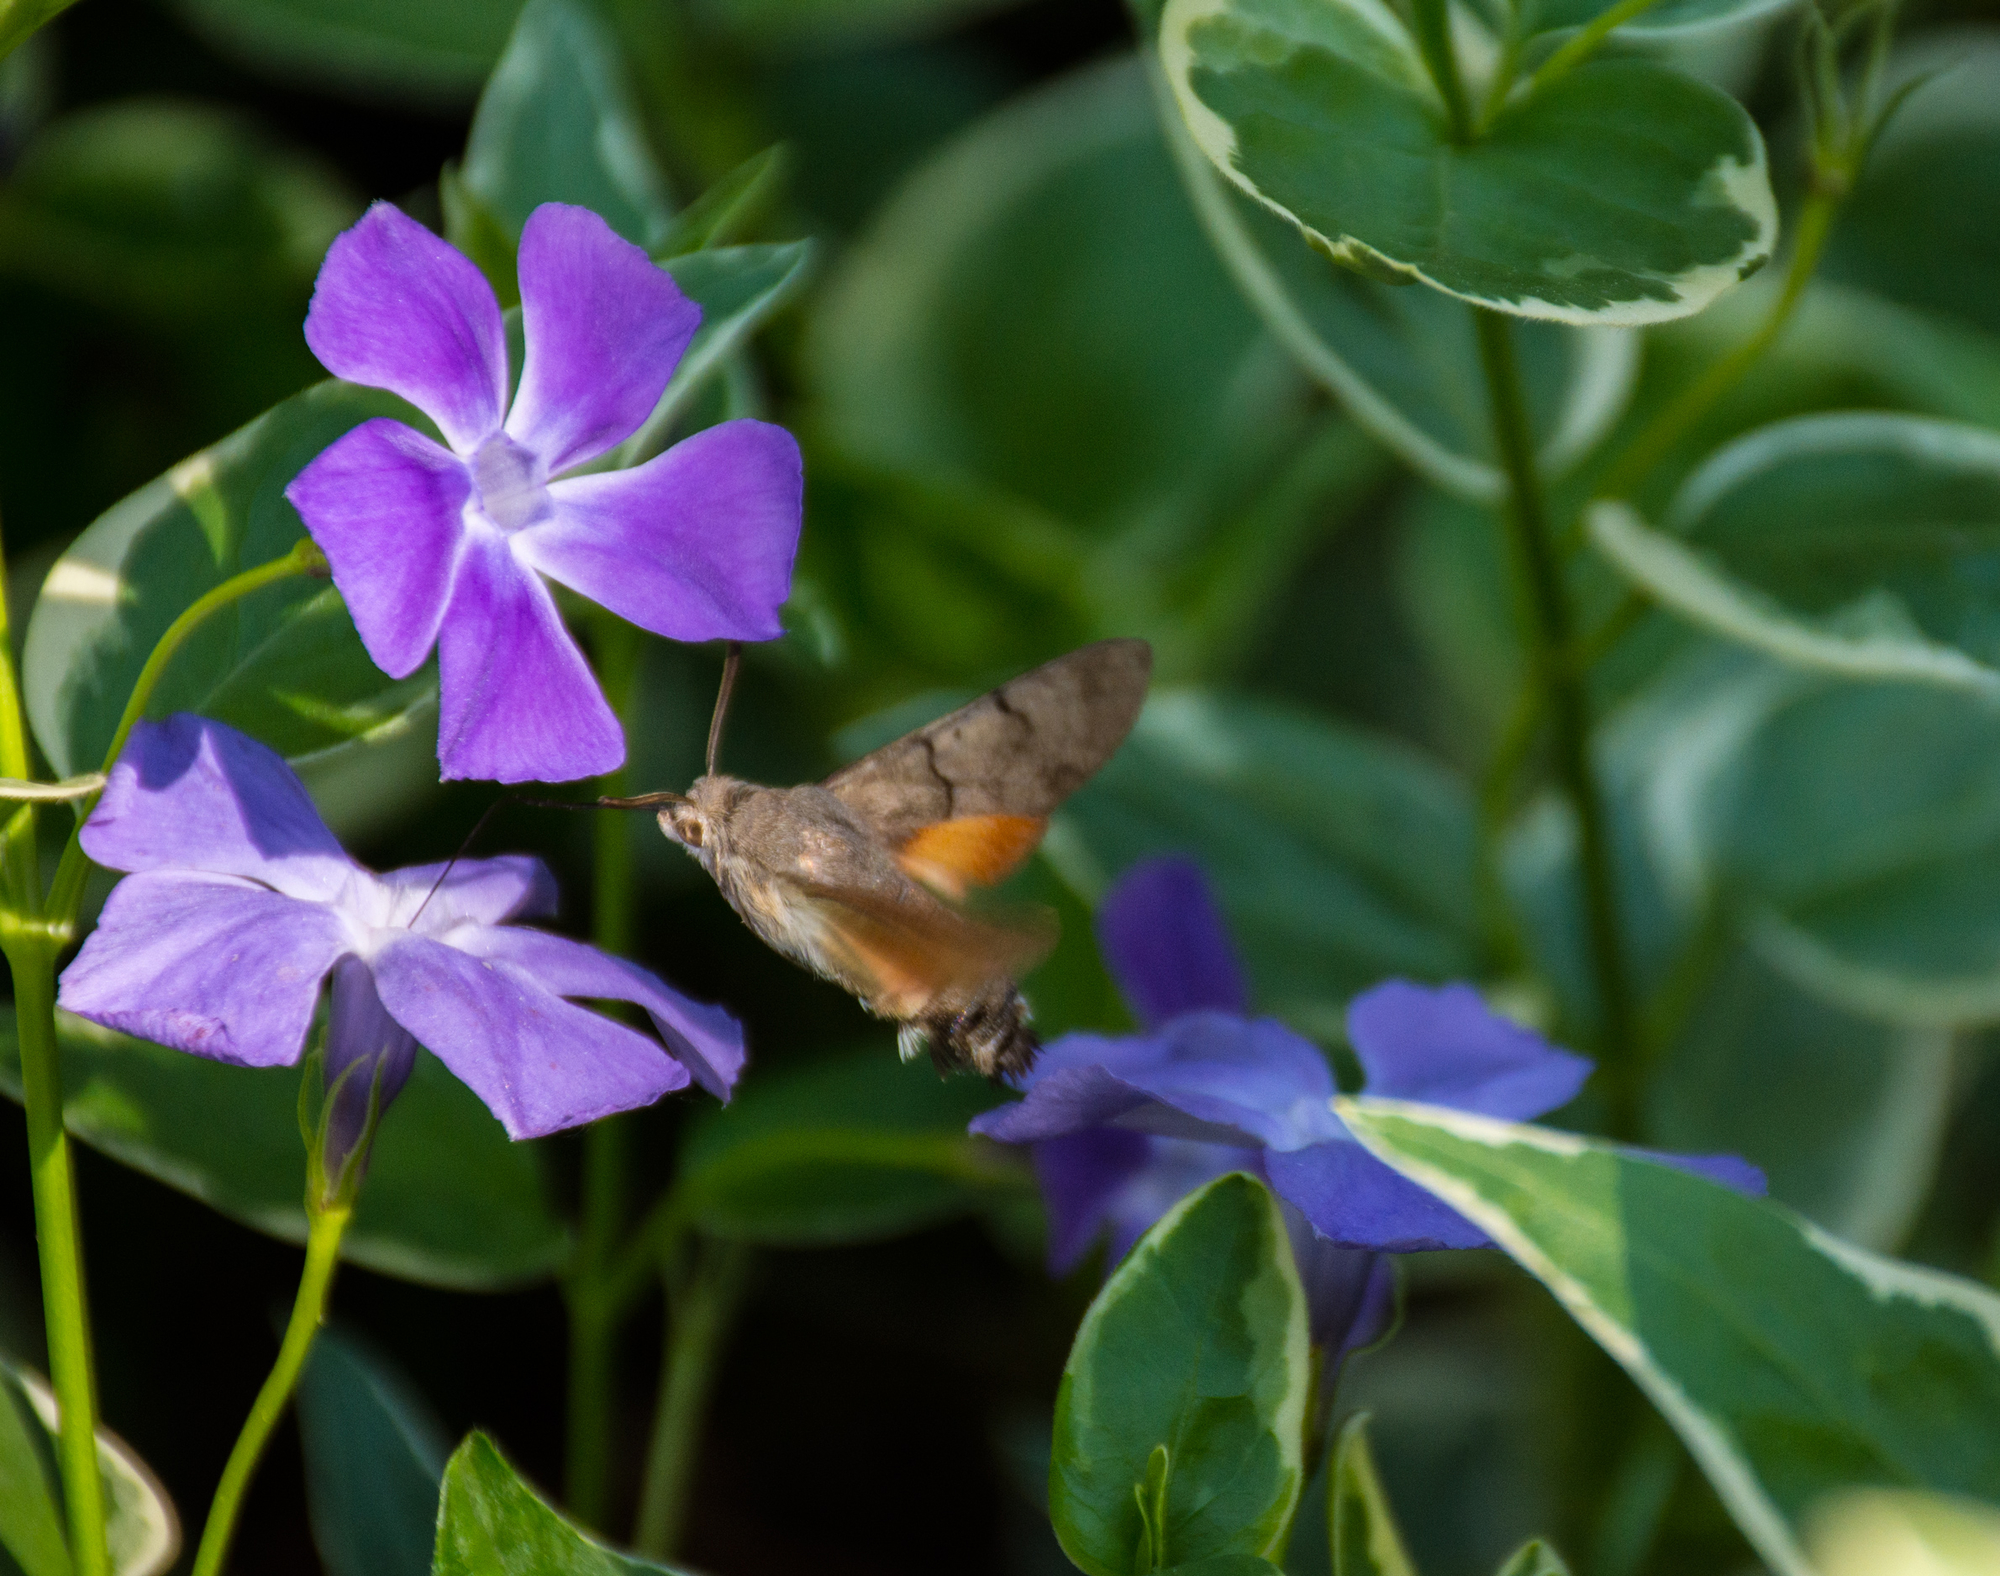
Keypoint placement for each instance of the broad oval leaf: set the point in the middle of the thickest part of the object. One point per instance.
(1338, 856)
(449, 1201)
(430, 52)
(1790, 1363)
(1621, 193)
(1866, 545)
(374, 1455)
(558, 123)
(1892, 1532)
(1361, 1527)
(491, 1523)
(141, 1531)
(1403, 363)
(1187, 1383)
(851, 1148)
(284, 664)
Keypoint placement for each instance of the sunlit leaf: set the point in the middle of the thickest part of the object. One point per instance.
(1790, 1363)
(284, 664)
(558, 123)
(491, 1523)
(1622, 192)
(1534, 1558)
(374, 1455)
(1890, 1532)
(449, 1201)
(1187, 1384)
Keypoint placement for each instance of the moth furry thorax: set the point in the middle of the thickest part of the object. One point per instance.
(858, 878)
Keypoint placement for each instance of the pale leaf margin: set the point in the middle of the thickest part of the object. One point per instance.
(1880, 643)
(1734, 1480)
(1745, 185)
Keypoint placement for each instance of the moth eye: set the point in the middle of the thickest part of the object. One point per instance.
(688, 829)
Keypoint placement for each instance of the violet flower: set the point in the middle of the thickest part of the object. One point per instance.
(241, 903)
(447, 546)
(1124, 1127)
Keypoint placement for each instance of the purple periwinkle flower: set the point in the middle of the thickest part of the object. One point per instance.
(446, 546)
(1123, 1127)
(241, 904)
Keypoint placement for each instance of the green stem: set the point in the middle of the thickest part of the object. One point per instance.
(1580, 47)
(31, 953)
(1433, 30)
(1695, 401)
(594, 1313)
(308, 1313)
(699, 1316)
(66, 893)
(1564, 704)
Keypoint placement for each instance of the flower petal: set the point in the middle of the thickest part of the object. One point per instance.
(517, 702)
(1079, 1175)
(696, 544)
(539, 1063)
(1165, 943)
(361, 1036)
(398, 309)
(605, 328)
(475, 892)
(209, 964)
(1350, 1292)
(703, 1038)
(1063, 1101)
(1356, 1201)
(191, 794)
(386, 505)
(1444, 1047)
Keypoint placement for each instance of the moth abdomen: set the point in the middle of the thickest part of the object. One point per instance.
(991, 1037)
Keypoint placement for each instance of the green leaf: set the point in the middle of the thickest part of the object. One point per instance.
(737, 289)
(283, 665)
(1402, 363)
(1890, 1532)
(1226, 1565)
(733, 204)
(558, 123)
(1790, 1363)
(1361, 1526)
(1198, 1344)
(1534, 1558)
(448, 1200)
(796, 22)
(1667, 18)
(1338, 856)
(141, 1531)
(491, 1523)
(1918, 227)
(427, 52)
(171, 210)
(374, 1456)
(1622, 192)
(1861, 544)
(20, 18)
(851, 1148)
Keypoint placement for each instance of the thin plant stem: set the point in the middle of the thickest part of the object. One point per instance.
(1564, 705)
(699, 1316)
(308, 1313)
(594, 1315)
(1659, 436)
(1433, 31)
(305, 558)
(1577, 49)
(31, 957)
(31, 954)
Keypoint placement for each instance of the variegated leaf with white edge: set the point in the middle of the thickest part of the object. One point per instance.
(1361, 1526)
(1619, 193)
(1791, 1364)
(1864, 544)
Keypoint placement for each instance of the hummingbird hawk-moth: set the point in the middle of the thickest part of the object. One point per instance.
(859, 878)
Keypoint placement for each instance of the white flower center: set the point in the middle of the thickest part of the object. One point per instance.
(509, 491)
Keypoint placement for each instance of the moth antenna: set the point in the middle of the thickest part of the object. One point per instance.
(730, 664)
(644, 801)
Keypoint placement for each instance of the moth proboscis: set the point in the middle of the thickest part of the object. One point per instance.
(859, 878)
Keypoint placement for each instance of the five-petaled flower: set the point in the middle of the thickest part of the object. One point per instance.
(1124, 1127)
(242, 902)
(446, 546)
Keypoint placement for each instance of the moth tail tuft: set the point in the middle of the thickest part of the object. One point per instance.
(991, 1037)
(911, 1041)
